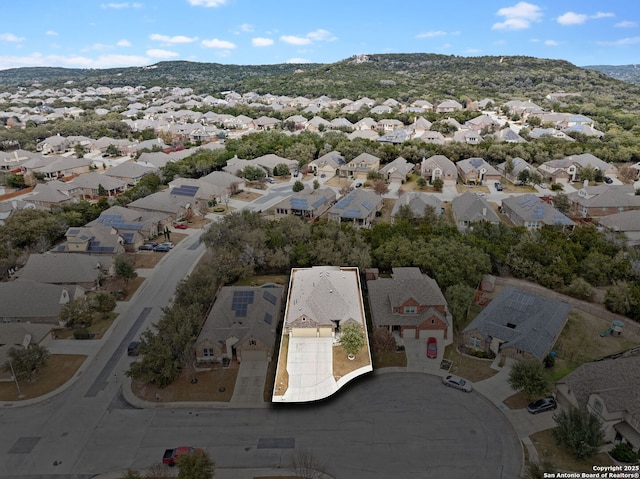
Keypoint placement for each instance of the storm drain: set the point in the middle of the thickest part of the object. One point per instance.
(24, 445)
(276, 443)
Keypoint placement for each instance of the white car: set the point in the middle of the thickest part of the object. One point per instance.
(458, 383)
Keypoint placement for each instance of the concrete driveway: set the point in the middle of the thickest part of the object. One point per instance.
(249, 389)
(417, 360)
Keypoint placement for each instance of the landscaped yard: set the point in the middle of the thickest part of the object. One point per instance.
(59, 369)
(473, 369)
(561, 459)
(343, 366)
(247, 196)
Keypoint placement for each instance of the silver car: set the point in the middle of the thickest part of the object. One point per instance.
(458, 383)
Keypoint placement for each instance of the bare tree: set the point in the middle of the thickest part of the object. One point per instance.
(307, 466)
(380, 187)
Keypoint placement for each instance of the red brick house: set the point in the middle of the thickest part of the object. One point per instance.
(411, 305)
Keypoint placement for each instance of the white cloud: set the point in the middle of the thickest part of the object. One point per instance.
(551, 43)
(123, 43)
(207, 3)
(77, 61)
(603, 15)
(167, 40)
(571, 18)
(621, 42)
(298, 60)
(433, 34)
(293, 40)
(261, 42)
(158, 53)
(215, 43)
(51, 33)
(518, 17)
(121, 5)
(10, 37)
(626, 24)
(473, 51)
(246, 27)
(321, 35)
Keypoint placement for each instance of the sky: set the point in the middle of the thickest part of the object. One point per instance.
(103, 34)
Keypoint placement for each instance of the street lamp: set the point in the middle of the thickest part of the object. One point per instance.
(15, 378)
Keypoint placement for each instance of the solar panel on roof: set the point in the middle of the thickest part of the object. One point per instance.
(269, 297)
(268, 318)
(74, 231)
(185, 190)
(299, 204)
(318, 202)
(538, 212)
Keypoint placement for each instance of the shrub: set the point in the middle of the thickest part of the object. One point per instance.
(549, 361)
(623, 453)
(82, 334)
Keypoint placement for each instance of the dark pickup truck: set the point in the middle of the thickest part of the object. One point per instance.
(171, 455)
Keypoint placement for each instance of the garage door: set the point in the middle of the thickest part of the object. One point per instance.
(254, 355)
(304, 332)
(436, 333)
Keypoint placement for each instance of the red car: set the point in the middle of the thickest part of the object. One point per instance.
(432, 348)
(181, 226)
(171, 456)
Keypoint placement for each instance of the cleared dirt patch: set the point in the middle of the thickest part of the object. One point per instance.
(59, 369)
(517, 401)
(473, 369)
(342, 365)
(390, 360)
(247, 196)
(215, 385)
(282, 378)
(561, 459)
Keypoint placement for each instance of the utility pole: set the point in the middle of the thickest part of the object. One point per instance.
(15, 378)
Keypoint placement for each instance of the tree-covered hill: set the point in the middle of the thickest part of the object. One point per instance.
(400, 76)
(627, 73)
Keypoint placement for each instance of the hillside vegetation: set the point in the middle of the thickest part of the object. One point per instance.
(400, 76)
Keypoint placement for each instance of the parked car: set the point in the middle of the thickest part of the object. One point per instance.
(498, 186)
(296, 173)
(480, 193)
(161, 248)
(541, 405)
(169, 244)
(171, 456)
(458, 383)
(432, 348)
(270, 180)
(358, 184)
(146, 247)
(543, 186)
(132, 349)
(608, 180)
(322, 175)
(181, 226)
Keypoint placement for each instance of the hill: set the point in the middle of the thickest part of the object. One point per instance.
(628, 73)
(400, 76)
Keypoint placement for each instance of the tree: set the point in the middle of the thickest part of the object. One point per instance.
(77, 313)
(538, 470)
(297, 186)
(104, 303)
(316, 184)
(380, 187)
(561, 203)
(421, 182)
(101, 190)
(15, 181)
(253, 173)
(529, 377)
(124, 269)
(26, 362)
(587, 173)
(459, 298)
(280, 169)
(580, 432)
(438, 184)
(306, 466)
(382, 341)
(619, 298)
(524, 176)
(78, 150)
(195, 466)
(352, 338)
(112, 150)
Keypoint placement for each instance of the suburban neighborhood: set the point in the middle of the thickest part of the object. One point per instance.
(330, 270)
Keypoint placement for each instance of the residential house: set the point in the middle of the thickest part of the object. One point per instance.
(417, 203)
(469, 208)
(55, 167)
(265, 123)
(226, 183)
(175, 202)
(448, 106)
(8, 207)
(94, 240)
(328, 164)
(308, 203)
(268, 162)
(358, 207)
(364, 134)
(533, 213)
(568, 169)
(366, 124)
(627, 222)
(380, 110)
(517, 324)
(130, 172)
(321, 300)
(20, 336)
(439, 167)
(537, 133)
(482, 124)
(94, 185)
(54, 193)
(397, 170)
(133, 226)
(156, 159)
(18, 302)
(477, 171)
(12, 161)
(434, 137)
(470, 137)
(518, 165)
(603, 200)
(390, 124)
(360, 166)
(317, 123)
(396, 137)
(608, 390)
(411, 305)
(66, 269)
(508, 135)
(241, 325)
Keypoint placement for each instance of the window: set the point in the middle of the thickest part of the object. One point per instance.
(207, 352)
(597, 405)
(252, 342)
(410, 310)
(475, 342)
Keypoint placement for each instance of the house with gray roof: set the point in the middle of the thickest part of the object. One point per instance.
(328, 164)
(35, 302)
(518, 165)
(434, 137)
(156, 159)
(448, 106)
(397, 170)
(130, 172)
(360, 166)
(627, 222)
(439, 167)
(358, 208)
(94, 240)
(225, 181)
(65, 269)
(93, 185)
(533, 213)
(56, 167)
(508, 135)
(410, 304)
(54, 193)
(568, 169)
(609, 390)
(469, 208)
(20, 336)
(477, 171)
(518, 324)
(470, 137)
(241, 324)
(603, 200)
(417, 202)
(134, 227)
(308, 203)
(174, 202)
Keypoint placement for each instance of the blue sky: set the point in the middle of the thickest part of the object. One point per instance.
(95, 34)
